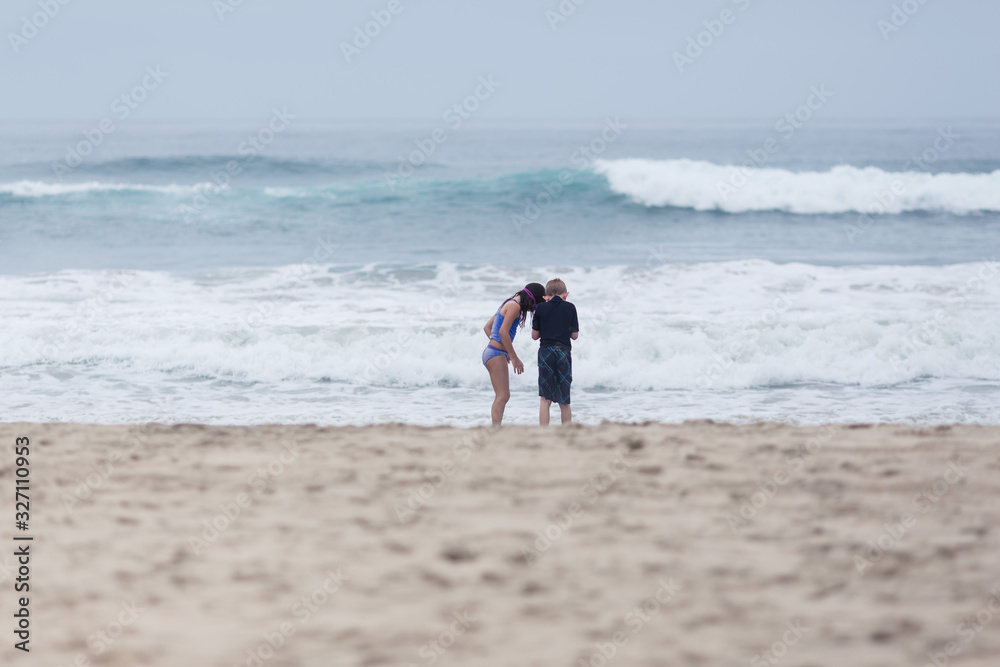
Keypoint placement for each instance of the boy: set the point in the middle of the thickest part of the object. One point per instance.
(555, 323)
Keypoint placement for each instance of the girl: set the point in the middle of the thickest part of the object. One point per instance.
(499, 352)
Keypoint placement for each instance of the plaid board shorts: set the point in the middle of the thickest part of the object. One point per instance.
(555, 374)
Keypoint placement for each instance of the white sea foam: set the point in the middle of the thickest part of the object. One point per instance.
(299, 193)
(705, 186)
(42, 189)
(728, 325)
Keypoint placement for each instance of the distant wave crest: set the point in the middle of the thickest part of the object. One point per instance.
(41, 189)
(705, 186)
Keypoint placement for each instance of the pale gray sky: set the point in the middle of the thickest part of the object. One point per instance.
(609, 57)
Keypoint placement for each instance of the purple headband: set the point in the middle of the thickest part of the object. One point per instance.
(531, 296)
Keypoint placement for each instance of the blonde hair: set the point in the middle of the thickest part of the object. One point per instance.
(555, 287)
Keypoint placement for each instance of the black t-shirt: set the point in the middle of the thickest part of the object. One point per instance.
(555, 320)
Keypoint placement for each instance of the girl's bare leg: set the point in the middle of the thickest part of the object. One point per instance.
(500, 377)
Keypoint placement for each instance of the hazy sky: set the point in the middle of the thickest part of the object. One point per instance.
(608, 57)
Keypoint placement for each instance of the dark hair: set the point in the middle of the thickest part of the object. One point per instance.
(528, 298)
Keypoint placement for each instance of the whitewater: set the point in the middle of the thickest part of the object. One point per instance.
(282, 344)
(843, 281)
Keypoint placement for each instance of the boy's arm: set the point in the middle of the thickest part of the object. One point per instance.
(575, 329)
(535, 333)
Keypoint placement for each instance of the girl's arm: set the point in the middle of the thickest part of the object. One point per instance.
(489, 326)
(510, 311)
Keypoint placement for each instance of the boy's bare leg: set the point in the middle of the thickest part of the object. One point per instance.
(543, 411)
(566, 412)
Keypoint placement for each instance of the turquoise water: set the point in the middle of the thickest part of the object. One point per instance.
(343, 274)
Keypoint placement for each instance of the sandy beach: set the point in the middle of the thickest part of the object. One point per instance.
(693, 544)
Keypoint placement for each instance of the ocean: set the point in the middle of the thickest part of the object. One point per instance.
(282, 271)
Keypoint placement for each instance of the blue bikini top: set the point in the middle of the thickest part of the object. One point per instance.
(498, 323)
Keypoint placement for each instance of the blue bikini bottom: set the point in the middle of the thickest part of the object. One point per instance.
(491, 352)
